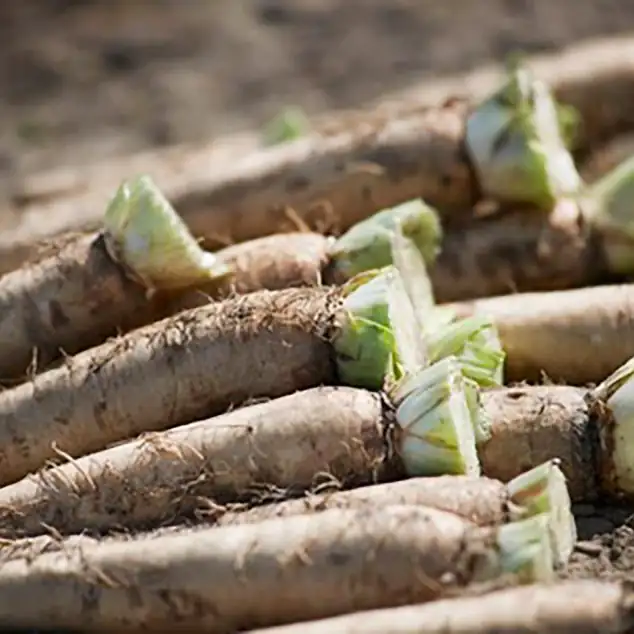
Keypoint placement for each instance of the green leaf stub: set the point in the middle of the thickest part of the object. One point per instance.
(368, 244)
(516, 143)
(149, 239)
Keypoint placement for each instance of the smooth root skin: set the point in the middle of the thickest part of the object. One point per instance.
(575, 607)
(237, 577)
(191, 366)
(276, 262)
(283, 260)
(576, 336)
(533, 424)
(289, 445)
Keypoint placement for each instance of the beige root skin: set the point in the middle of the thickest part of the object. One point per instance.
(238, 577)
(519, 250)
(577, 607)
(285, 260)
(69, 301)
(577, 336)
(194, 365)
(276, 262)
(324, 435)
(78, 298)
(480, 500)
(533, 424)
(514, 251)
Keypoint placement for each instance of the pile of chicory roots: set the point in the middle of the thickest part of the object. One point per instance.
(375, 428)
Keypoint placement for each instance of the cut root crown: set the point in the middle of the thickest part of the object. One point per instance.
(516, 141)
(377, 340)
(435, 427)
(525, 549)
(474, 341)
(617, 435)
(145, 235)
(543, 489)
(367, 245)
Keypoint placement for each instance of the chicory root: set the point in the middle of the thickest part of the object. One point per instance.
(198, 364)
(79, 297)
(94, 288)
(306, 258)
(292, 443)
(589, 431)
(268, 573)
(574, 607)
(580, 242)
(481, 500)
(576, 336)
(65, 303)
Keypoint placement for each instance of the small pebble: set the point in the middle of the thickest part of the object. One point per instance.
(589, 548)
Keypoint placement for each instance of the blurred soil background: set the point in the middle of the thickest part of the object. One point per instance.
(87, 80)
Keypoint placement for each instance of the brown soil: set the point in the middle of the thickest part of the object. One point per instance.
(606, 543)
(82, 80)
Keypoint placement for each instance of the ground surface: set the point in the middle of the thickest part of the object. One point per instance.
(606, 543)
(83, 80)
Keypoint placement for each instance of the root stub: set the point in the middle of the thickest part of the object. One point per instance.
(537, 423)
